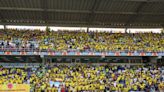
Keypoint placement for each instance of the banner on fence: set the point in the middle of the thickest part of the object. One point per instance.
(15, 88)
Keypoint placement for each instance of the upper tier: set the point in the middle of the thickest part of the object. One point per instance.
(81, 41)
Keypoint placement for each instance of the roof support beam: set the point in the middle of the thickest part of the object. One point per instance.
(81, 24)
(77, 11)
(133, 17)
(44, 9)
(1, 17)
(92, 14)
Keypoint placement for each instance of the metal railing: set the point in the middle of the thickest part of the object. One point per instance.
(70, 50)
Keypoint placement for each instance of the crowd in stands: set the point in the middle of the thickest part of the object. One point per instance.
(87, 78)
(77, 40)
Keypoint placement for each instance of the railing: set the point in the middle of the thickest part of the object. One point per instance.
(20, 65)
(71, 50)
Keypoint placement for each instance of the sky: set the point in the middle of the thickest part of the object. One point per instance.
(122, 30)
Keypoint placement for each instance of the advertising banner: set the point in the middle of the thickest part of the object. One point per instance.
(52, 53)
(15, 88)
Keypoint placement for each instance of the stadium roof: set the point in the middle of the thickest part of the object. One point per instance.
(83, 13)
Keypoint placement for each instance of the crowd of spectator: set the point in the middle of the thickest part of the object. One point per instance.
(87, 78)
(77, 40)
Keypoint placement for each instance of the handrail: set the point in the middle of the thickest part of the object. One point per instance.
(69, 50)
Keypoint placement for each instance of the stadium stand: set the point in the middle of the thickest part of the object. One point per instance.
(64, 40)
(83, 77)
(77, 60)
